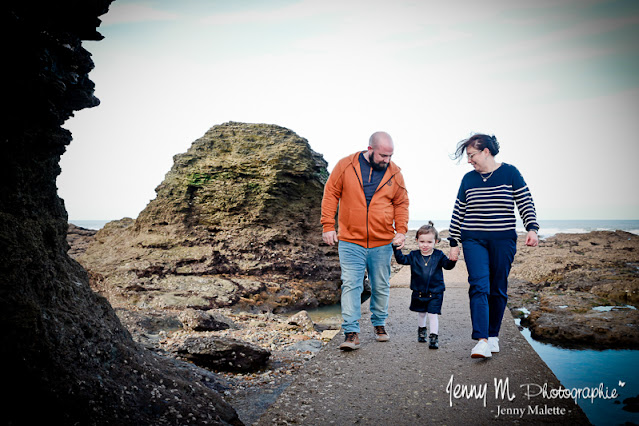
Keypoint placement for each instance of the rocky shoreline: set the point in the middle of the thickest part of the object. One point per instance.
(576, 290)
(274, 346)
(553, 288)
(287, 341)
(579, 290)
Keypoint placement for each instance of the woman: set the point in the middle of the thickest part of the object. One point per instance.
(484, 223)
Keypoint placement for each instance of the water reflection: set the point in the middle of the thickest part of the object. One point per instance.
(327, 316)
(587, 368)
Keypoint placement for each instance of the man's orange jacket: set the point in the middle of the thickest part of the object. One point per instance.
(370, 227)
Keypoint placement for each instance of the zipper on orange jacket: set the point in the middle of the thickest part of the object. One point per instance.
(361, 184)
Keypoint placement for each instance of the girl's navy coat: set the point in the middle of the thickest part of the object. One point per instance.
(424, 278)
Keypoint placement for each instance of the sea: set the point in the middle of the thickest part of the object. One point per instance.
(583, 370)
(547, 228)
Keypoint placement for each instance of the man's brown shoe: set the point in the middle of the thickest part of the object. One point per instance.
(351, 342)
(380, 334)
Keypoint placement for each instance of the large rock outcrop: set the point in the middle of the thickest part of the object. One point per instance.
(235, 223)
(67, 359)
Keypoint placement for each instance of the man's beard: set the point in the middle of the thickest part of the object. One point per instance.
(378, 167)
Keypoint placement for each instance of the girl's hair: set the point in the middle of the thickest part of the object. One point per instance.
(428, 229)
(478, 141)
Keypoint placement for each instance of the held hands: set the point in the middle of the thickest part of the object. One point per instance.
(398, 241)
(330, 237)
(454, 253)
(532, 239)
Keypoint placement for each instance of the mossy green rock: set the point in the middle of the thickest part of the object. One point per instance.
(236, 221)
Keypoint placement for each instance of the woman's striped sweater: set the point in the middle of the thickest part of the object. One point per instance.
(486, 210)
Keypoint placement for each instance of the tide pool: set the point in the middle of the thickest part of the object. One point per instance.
(588, 369)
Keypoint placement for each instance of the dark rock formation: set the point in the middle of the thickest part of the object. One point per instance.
(222, 353)
(235, 222)
(67, 358)
(79, 239)
(631, 404)
(204, 321)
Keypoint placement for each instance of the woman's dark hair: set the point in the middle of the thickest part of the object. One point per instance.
(428, 229)
(478, 141)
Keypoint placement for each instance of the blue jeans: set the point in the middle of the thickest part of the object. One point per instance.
(488, 263)
(354, 260)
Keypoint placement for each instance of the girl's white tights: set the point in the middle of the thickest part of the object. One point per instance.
(433, 322)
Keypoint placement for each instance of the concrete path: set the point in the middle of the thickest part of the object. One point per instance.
(402, 382)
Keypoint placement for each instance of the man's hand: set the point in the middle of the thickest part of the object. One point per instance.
(532, 239)
(454, 253)
(330, 237)
(398, 241)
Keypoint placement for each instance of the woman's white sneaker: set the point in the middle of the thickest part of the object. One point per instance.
(481, 350)
(493, 343)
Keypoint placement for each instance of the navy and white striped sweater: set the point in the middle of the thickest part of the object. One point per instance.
(486, 210)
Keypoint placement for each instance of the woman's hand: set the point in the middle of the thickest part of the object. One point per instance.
(454, 253)
(532, 239)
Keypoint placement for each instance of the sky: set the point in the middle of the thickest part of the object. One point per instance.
(556, 81)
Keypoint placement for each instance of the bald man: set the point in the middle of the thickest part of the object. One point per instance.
(373, 216)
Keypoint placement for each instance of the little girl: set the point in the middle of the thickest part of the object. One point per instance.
(427, 281)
